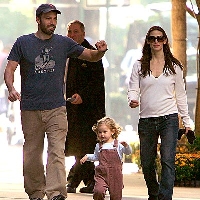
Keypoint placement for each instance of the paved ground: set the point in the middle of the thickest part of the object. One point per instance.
(135, 189)
(11, 180)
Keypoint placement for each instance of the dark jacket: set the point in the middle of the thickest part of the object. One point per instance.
(86, 79)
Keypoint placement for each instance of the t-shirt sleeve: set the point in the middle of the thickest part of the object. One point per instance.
(15, 53)
(75, 49)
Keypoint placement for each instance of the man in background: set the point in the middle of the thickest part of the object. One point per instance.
(85, 83)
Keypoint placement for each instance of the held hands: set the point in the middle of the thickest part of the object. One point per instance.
(82, 160)
(101, 46)
(134, 103)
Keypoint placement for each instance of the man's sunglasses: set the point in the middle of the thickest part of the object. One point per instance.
(152, 39)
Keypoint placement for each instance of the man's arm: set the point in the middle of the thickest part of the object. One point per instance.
(9, 80)
(94, 55)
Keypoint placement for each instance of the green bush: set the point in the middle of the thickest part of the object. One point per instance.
(187, 167)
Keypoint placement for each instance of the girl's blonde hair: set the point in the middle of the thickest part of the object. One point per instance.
(111, 124)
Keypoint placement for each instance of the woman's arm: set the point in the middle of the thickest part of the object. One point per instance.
(134, 86)
(181, 97)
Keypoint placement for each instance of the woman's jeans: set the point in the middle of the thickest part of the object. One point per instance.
(149, 130)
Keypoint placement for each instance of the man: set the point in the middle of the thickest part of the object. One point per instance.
(42, 58)
(85, 83)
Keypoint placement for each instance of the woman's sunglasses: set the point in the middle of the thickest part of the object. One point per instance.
(152, 39)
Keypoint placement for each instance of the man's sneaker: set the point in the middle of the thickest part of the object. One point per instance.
(59, 197)
(88, 189)
(71, 190)
(152, 197)
(36, 198)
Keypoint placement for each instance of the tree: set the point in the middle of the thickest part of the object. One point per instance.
(178, 24)
(197, 111)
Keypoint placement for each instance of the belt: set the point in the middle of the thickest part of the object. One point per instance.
(160, 117)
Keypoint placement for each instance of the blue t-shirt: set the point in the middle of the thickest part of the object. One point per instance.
(42, 65)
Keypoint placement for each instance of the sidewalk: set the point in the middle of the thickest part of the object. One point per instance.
(11, 180)
(134, 189)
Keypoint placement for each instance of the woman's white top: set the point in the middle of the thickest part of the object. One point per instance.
(159, 96)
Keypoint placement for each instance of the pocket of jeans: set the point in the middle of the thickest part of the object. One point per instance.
(59, 119)
(172, 120)
(143, 123)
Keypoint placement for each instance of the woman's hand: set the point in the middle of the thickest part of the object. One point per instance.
(187, 129)
(134, 103)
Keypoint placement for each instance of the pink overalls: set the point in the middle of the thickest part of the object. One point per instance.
(108, 174)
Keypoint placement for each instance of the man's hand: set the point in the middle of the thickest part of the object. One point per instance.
(101, 46)
(77, 100)
(94, 55)
(14, 95)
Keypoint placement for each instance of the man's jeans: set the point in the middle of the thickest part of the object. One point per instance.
(149, 130)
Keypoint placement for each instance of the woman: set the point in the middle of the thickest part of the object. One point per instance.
(157, 82)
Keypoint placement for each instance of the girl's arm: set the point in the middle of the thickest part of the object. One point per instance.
(126, 148)
(91, 157)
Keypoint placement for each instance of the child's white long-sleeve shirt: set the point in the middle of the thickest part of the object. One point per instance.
(159, 96)
(120, 149)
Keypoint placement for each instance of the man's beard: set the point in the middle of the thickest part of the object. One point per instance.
(46, 30)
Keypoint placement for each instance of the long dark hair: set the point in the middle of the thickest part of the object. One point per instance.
(170, 60)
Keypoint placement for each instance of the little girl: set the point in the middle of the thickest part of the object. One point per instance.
(109, 152)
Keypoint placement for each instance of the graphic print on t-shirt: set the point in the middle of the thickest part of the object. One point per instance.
(44, 63)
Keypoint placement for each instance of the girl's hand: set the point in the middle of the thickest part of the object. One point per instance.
(82, 160)
(124, 143)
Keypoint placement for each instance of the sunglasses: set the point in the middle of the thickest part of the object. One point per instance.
(152, 39)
